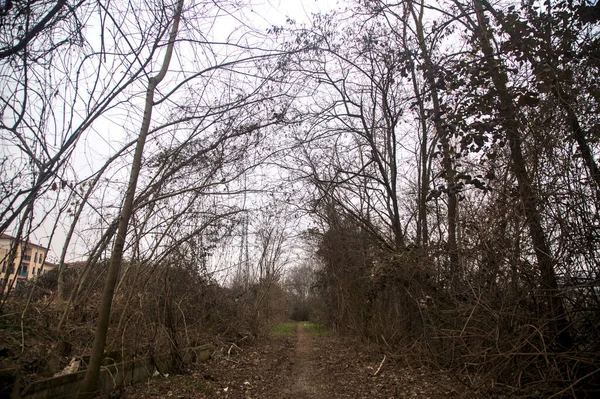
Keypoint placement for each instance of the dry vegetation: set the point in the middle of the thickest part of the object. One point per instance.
(157, 309)
(429, 169)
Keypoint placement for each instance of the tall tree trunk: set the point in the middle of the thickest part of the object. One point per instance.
(454, 271)
(423, 228)
(60, 290)
(579, 135)
(92, 260)
(88, 385)
(423, 157)
(508, 116)
(390, 139)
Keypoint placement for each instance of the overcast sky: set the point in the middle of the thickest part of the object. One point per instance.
(108, 135)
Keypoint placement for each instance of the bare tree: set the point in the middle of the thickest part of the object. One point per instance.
(90, 381)
(358, 119)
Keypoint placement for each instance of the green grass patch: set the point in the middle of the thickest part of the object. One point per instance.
(284, 329)
(315, 329)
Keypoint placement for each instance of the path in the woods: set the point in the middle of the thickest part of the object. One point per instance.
(303, 379)
(301, 367)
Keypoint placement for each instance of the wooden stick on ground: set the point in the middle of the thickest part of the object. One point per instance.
(380, 365)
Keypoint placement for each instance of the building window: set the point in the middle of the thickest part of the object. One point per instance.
(23, 269)
(35, 258)
(3, 266)
(27, 257)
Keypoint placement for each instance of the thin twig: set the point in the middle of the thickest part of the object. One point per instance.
(231, 347)
(559, 393)
(23, 317)
(380, 365)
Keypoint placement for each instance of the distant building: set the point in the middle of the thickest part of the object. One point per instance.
(30, 261)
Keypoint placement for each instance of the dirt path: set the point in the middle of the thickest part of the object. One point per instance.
(303, 376)
(301, 367)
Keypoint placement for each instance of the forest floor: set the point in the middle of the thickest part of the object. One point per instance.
(303, 362)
